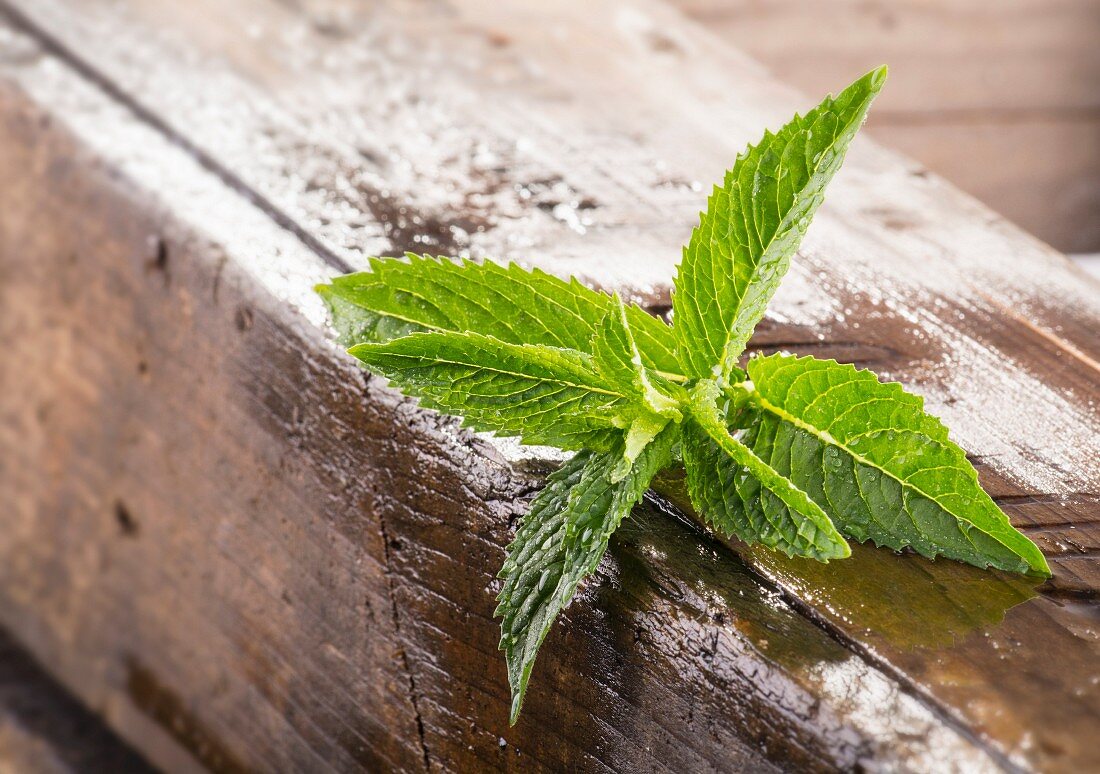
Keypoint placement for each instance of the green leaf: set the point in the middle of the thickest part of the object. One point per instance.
(355, 324)
(739, 493)
(560, 542)
(881, 467)
(794, 454)
(620, 363)
(544, 395)
(754, 222)
(421, 293)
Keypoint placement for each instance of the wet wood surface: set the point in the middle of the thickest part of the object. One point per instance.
(244, 554)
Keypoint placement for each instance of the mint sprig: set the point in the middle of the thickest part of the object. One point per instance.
(561, 541)
(795, 453)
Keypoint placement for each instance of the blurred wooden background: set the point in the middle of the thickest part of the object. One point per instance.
(1001, 98)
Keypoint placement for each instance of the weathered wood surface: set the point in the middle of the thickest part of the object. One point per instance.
(277, 565)
(46, 731)
(1003, 99)
(238, 594)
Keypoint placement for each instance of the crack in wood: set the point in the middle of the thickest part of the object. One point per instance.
(413, 693)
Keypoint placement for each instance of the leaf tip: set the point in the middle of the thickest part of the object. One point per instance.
(1037, 564)
(841, 550)
(834, 546)
(517, 704)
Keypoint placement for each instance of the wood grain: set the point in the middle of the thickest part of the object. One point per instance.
(204, 172)
(246, 557)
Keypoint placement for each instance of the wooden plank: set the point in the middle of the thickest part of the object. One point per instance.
(1000, 98)
(1040, 172)
(43, 729)
(963, 56)
(901, 273)
(246, 557)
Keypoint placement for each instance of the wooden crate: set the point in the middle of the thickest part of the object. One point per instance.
(244, 553)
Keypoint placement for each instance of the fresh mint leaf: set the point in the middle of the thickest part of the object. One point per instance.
(544, 395)
(420, 293)
(753, 224)
(560, 542)
(794, 454)
(881, 467)
(739, 493)
(620, 363)
(356, 324)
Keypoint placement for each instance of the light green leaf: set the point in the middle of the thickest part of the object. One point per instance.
(881, 467)
(739, 493)
(643, 429)
(355, 324)
(620, 363)
(544, 395)
(560, 542)
(753, 224)
(421, 293)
